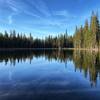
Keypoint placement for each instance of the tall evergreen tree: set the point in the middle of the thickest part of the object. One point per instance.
(86, 35)
(94, 30)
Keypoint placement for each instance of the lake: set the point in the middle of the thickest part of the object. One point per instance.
(49, 75)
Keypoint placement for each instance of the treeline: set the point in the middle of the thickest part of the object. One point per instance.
(88, 36)
(18, 40)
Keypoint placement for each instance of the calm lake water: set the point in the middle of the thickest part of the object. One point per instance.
(49, 75)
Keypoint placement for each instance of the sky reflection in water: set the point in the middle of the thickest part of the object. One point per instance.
(49, 74)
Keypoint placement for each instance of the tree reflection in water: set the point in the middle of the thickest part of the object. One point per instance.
(85, 61)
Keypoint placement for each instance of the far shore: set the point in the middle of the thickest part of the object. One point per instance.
(83, 49)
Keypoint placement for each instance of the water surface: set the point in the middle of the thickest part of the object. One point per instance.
(49, 75)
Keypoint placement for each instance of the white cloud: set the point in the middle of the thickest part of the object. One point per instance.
(10, 19)
(64, 13)
(39, 17)
(61, 13)
(41, 6)
(38, 7)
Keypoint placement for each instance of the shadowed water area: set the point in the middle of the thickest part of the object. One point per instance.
(49, 75)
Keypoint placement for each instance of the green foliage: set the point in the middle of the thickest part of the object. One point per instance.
(16, 40)
(88, 36)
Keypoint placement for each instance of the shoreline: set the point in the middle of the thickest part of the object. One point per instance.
(82, 49)
(78, 49)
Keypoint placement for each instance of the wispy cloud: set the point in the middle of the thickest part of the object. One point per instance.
(10, 19)
(44, 22)
(34, 8)
(14, 10)
(61, 13)
(64, 13)
(43, 16)
(37, 7)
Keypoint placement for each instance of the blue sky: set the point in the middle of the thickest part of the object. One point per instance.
(44, 17)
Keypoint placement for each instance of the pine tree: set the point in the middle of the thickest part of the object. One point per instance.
(81, 37)
(86, 35)
(97, 31)
(75, 40)
(93, 30)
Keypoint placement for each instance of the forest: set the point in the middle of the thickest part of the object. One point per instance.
(87, 36)
(18, 40)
